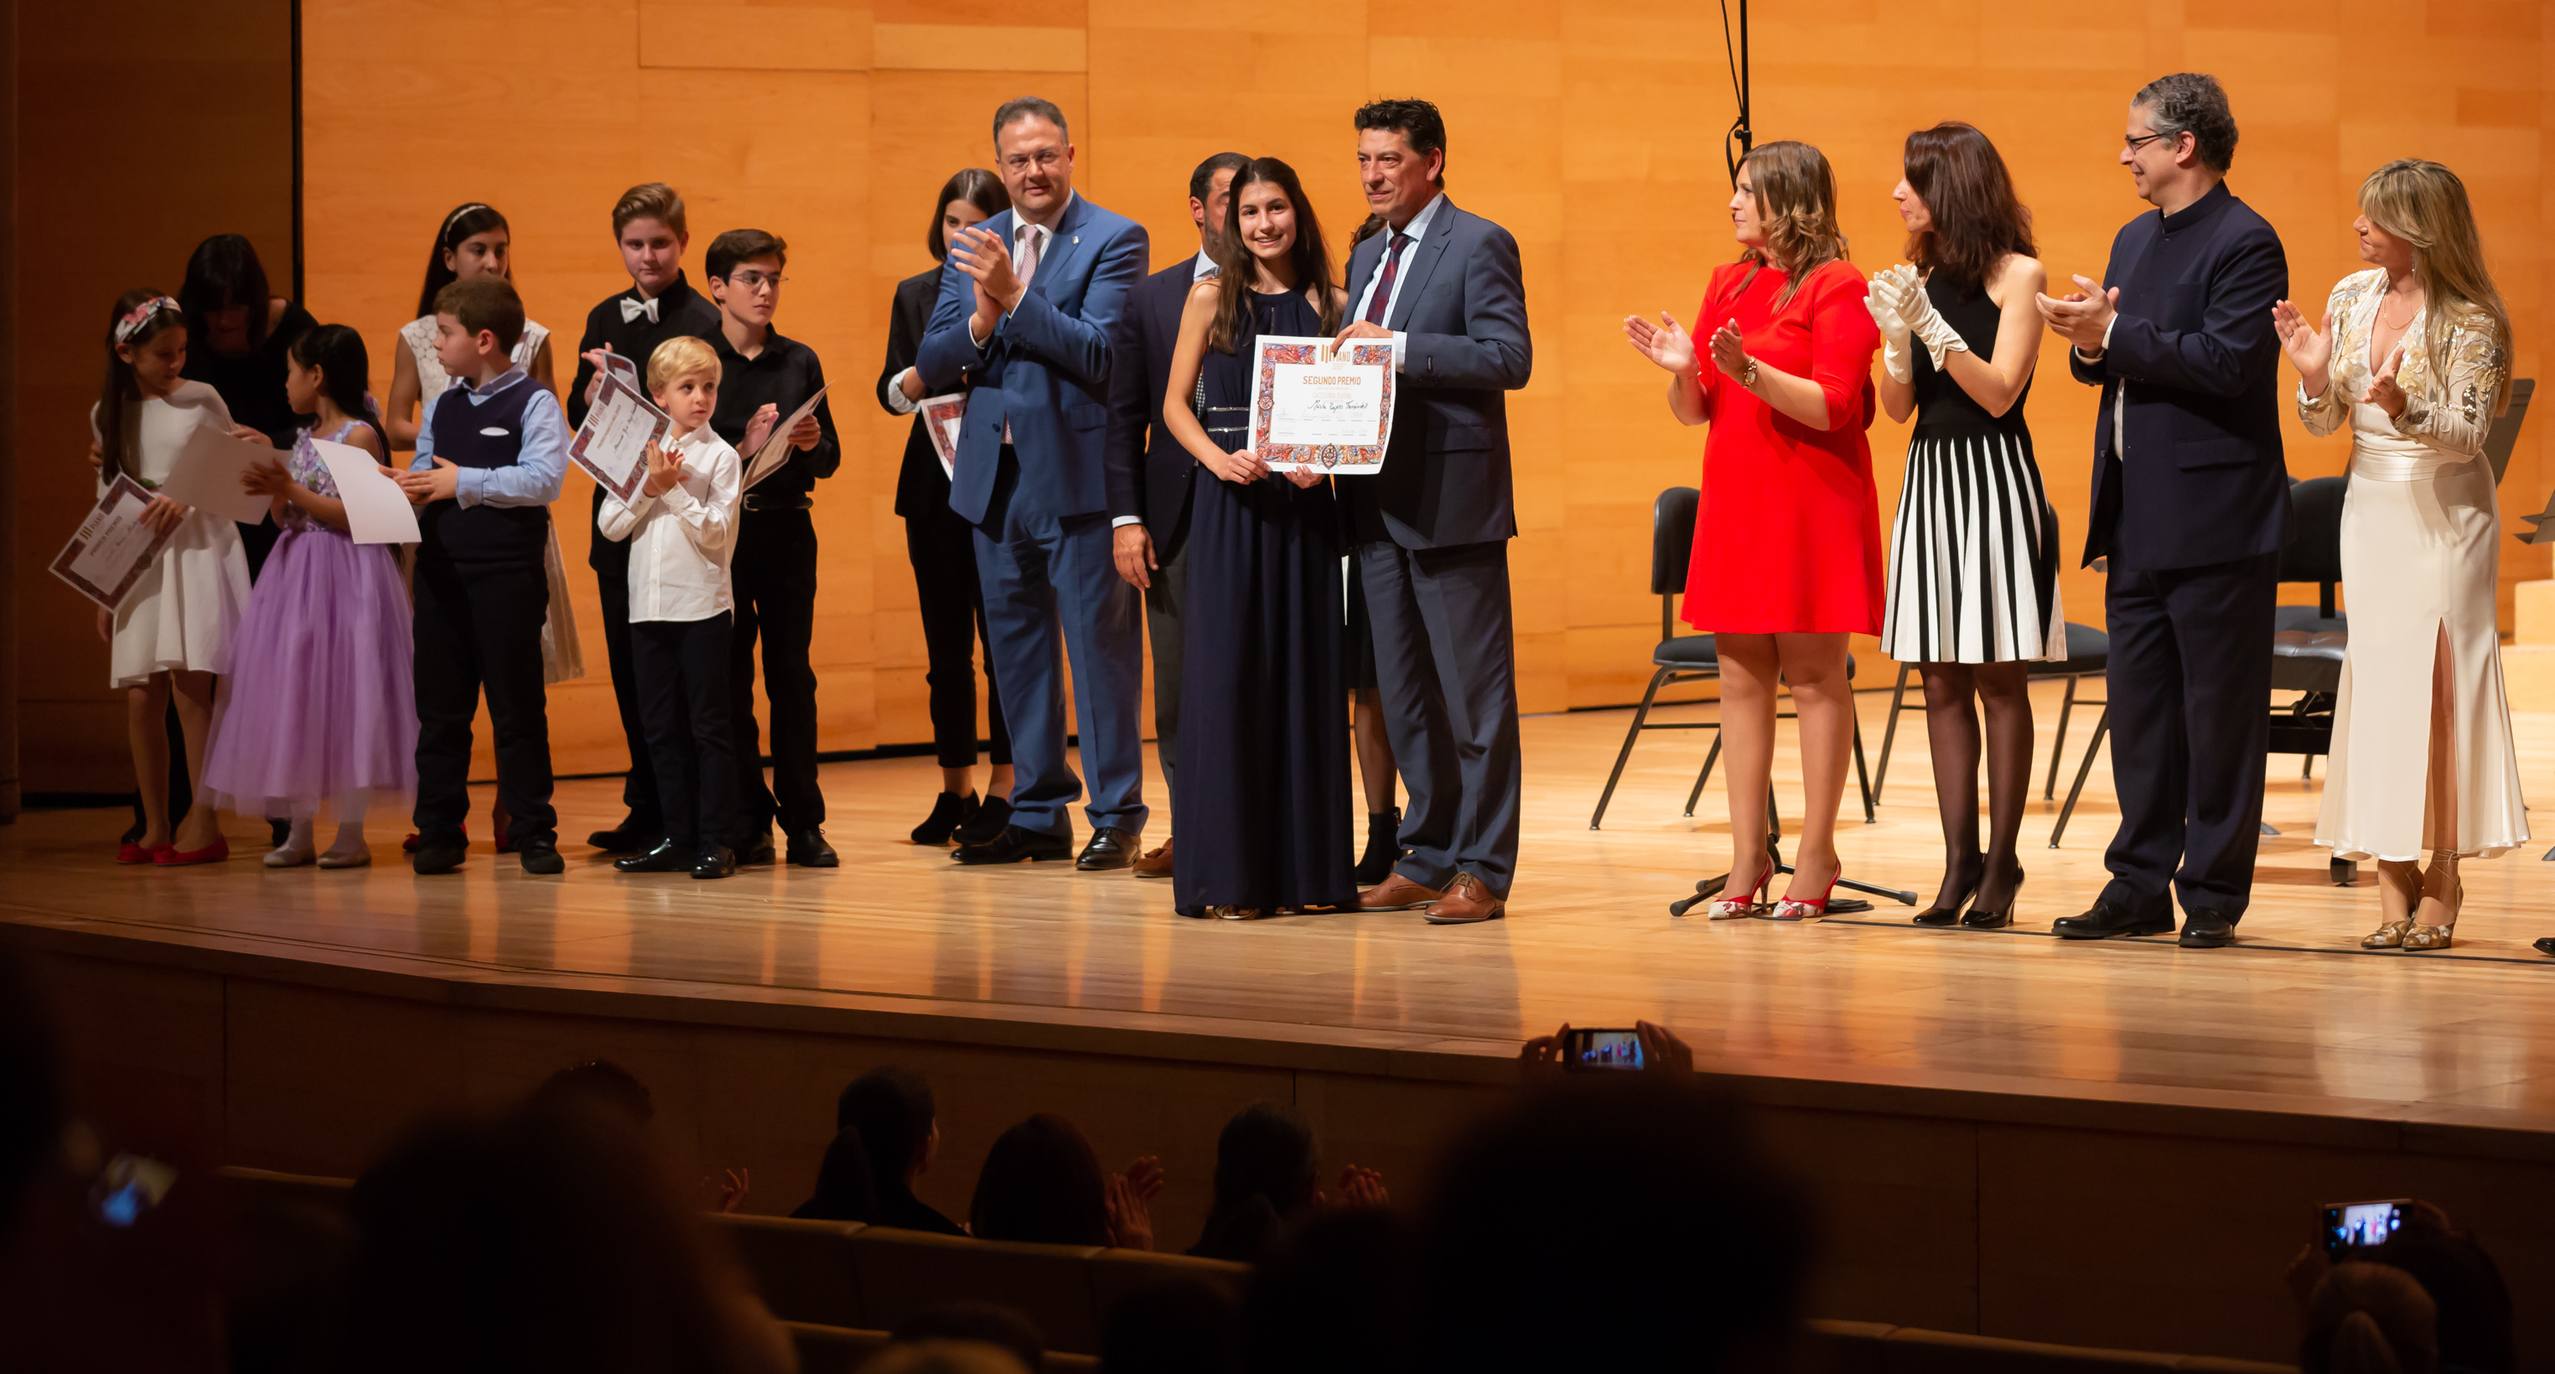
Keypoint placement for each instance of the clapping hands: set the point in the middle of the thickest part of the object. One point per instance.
(2083, 316)
(1130, 1198)
(1665, 343)
(1728, 353)
(2308, 349)
(664, 469)
(2383, 391)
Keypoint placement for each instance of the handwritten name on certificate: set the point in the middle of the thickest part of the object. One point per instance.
(612, 445)
(1313, 410)
(112, 548)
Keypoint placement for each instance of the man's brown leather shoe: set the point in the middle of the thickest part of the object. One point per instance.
(1466, 902)
(1397, 893)
(1154, 863)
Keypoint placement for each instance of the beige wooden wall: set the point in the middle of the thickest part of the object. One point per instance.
(1591, 129)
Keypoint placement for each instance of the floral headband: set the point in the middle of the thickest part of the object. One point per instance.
(140, 315)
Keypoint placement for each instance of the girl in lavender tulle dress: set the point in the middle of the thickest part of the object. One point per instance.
(322, 708)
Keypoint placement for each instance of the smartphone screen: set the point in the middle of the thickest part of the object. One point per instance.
(128, 1187)
(1602, 1049)
(2360, 1225)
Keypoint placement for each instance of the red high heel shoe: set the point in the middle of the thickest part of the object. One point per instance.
(219, 851)
(1749, 904)
(1805, 908)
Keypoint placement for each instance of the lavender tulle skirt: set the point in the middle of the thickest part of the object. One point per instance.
(320, 705)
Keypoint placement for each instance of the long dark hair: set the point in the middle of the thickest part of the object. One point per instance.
(1977, 221)
(121, 392)
(977, 187)
(1041, 1183)
(1311, 260)
(222, 272)
(345, 371)
(465, 220)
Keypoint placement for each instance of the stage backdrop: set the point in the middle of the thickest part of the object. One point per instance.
(1592, 129)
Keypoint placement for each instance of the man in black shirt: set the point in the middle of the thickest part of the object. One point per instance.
(647, 222)
(774, 568)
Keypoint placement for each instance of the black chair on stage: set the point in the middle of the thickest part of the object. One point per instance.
(1681, 658)
(2088, 655)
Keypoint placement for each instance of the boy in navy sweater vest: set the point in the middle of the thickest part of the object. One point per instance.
(490, 455)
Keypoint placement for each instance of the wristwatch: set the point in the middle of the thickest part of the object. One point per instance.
(1748, 375)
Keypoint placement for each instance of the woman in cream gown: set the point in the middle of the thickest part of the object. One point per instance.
(2414, 356)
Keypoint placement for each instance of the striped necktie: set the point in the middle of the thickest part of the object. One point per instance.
(1383, 298)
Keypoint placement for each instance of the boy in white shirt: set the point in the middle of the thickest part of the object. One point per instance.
(681, 526)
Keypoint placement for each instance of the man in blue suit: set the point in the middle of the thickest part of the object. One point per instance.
(1032, 304)
(2191, 507)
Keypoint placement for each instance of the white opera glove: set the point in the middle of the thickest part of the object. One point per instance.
(1896, 359)
(1924, 321)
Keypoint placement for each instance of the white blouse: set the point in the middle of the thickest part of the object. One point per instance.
(680, 542)
(419, 335)
(2448, 410)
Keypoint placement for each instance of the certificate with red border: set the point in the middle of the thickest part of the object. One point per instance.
(942, 417)
(1313, 410)
(612, 445)
(112, 548)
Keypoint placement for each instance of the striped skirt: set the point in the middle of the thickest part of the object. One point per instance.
(1973, 555)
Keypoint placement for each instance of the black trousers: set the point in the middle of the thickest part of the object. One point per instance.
(478, 628)
(639, 785)
(683, 694)
(2190, 691)
(942, 549)
(774, 577)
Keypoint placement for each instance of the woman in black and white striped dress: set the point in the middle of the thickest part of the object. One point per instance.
(1973, 594)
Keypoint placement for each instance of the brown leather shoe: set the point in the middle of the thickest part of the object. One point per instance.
(1153, 863)
(1397, 893)
(1466, 903)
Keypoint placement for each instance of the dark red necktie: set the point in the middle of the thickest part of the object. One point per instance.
(1383, 299)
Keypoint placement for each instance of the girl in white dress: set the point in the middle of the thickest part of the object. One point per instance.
(2414, 355)
(169, 636)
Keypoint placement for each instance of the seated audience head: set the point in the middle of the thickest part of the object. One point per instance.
(545, 1239)
(846, 1186)
(1173, 1326)
(988, 1324)
(601, 1084)
(2369, 1319)
(1266, 1172)
(1042, 1183)
(2466, 1287)
(1335, 1294)
(899, 1124)
(1600, 1219)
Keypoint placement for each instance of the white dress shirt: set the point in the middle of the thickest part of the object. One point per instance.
(533, 478)
(680, 542)
(1415, 231)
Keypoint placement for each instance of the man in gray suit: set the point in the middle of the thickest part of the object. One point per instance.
(1431, 530)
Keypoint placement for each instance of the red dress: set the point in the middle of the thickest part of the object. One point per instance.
(1788, 538)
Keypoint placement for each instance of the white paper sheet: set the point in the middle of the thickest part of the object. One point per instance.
(942, 418)
(1314, 410)
(776, 450)
(612, 445)
(377, 511)
(208, 469)
(107, 555)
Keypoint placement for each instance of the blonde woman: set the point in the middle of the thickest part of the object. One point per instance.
(1787, 548)
(2414, 354)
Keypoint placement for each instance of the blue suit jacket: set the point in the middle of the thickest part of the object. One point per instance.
(1045, 369)
(2204, 481)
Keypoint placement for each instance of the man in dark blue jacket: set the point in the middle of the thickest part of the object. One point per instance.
(2191, 507)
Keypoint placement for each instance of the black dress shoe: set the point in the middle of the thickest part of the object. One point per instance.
(2207, 930)
(2106, 922)
(437, 856)
(540, 857)
(755, 852)
(1110, 847)
(1383, 847)
(949, 812)
(991, 815)
(667, 857)
(1014, 845)
(636, 834)
(718, 861)
(2545, 946)
(808, 849)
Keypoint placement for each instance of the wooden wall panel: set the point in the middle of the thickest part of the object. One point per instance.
(1591, 130)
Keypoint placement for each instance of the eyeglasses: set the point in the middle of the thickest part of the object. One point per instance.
(756, 281)
(1043, 159)
(2136, 142)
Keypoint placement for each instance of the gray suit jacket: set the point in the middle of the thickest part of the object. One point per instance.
(1463, 307)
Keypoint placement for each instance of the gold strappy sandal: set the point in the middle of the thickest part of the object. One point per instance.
(2428, 937)
(2387, 936)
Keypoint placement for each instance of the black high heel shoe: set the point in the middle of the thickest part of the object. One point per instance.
(950, 812)
(1947, 915)
(2001, 917)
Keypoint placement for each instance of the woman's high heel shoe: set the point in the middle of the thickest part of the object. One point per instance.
(1995, 918)
(1747, 904)
(2388, 935)
(1805, 908)
(2427, 937)
(1947, 914)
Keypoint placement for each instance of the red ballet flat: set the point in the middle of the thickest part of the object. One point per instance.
(219, 851)
(130, 853)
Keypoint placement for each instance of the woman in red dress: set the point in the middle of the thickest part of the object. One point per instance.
(1787, 545)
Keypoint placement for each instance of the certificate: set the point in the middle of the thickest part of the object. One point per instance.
(776, 449)
(112, 548)
(612, 445)
(942, 416)
(377, 511)
(1313, 410)
(207, 470)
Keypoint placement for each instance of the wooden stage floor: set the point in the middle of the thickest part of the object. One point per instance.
(2297, 1019)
